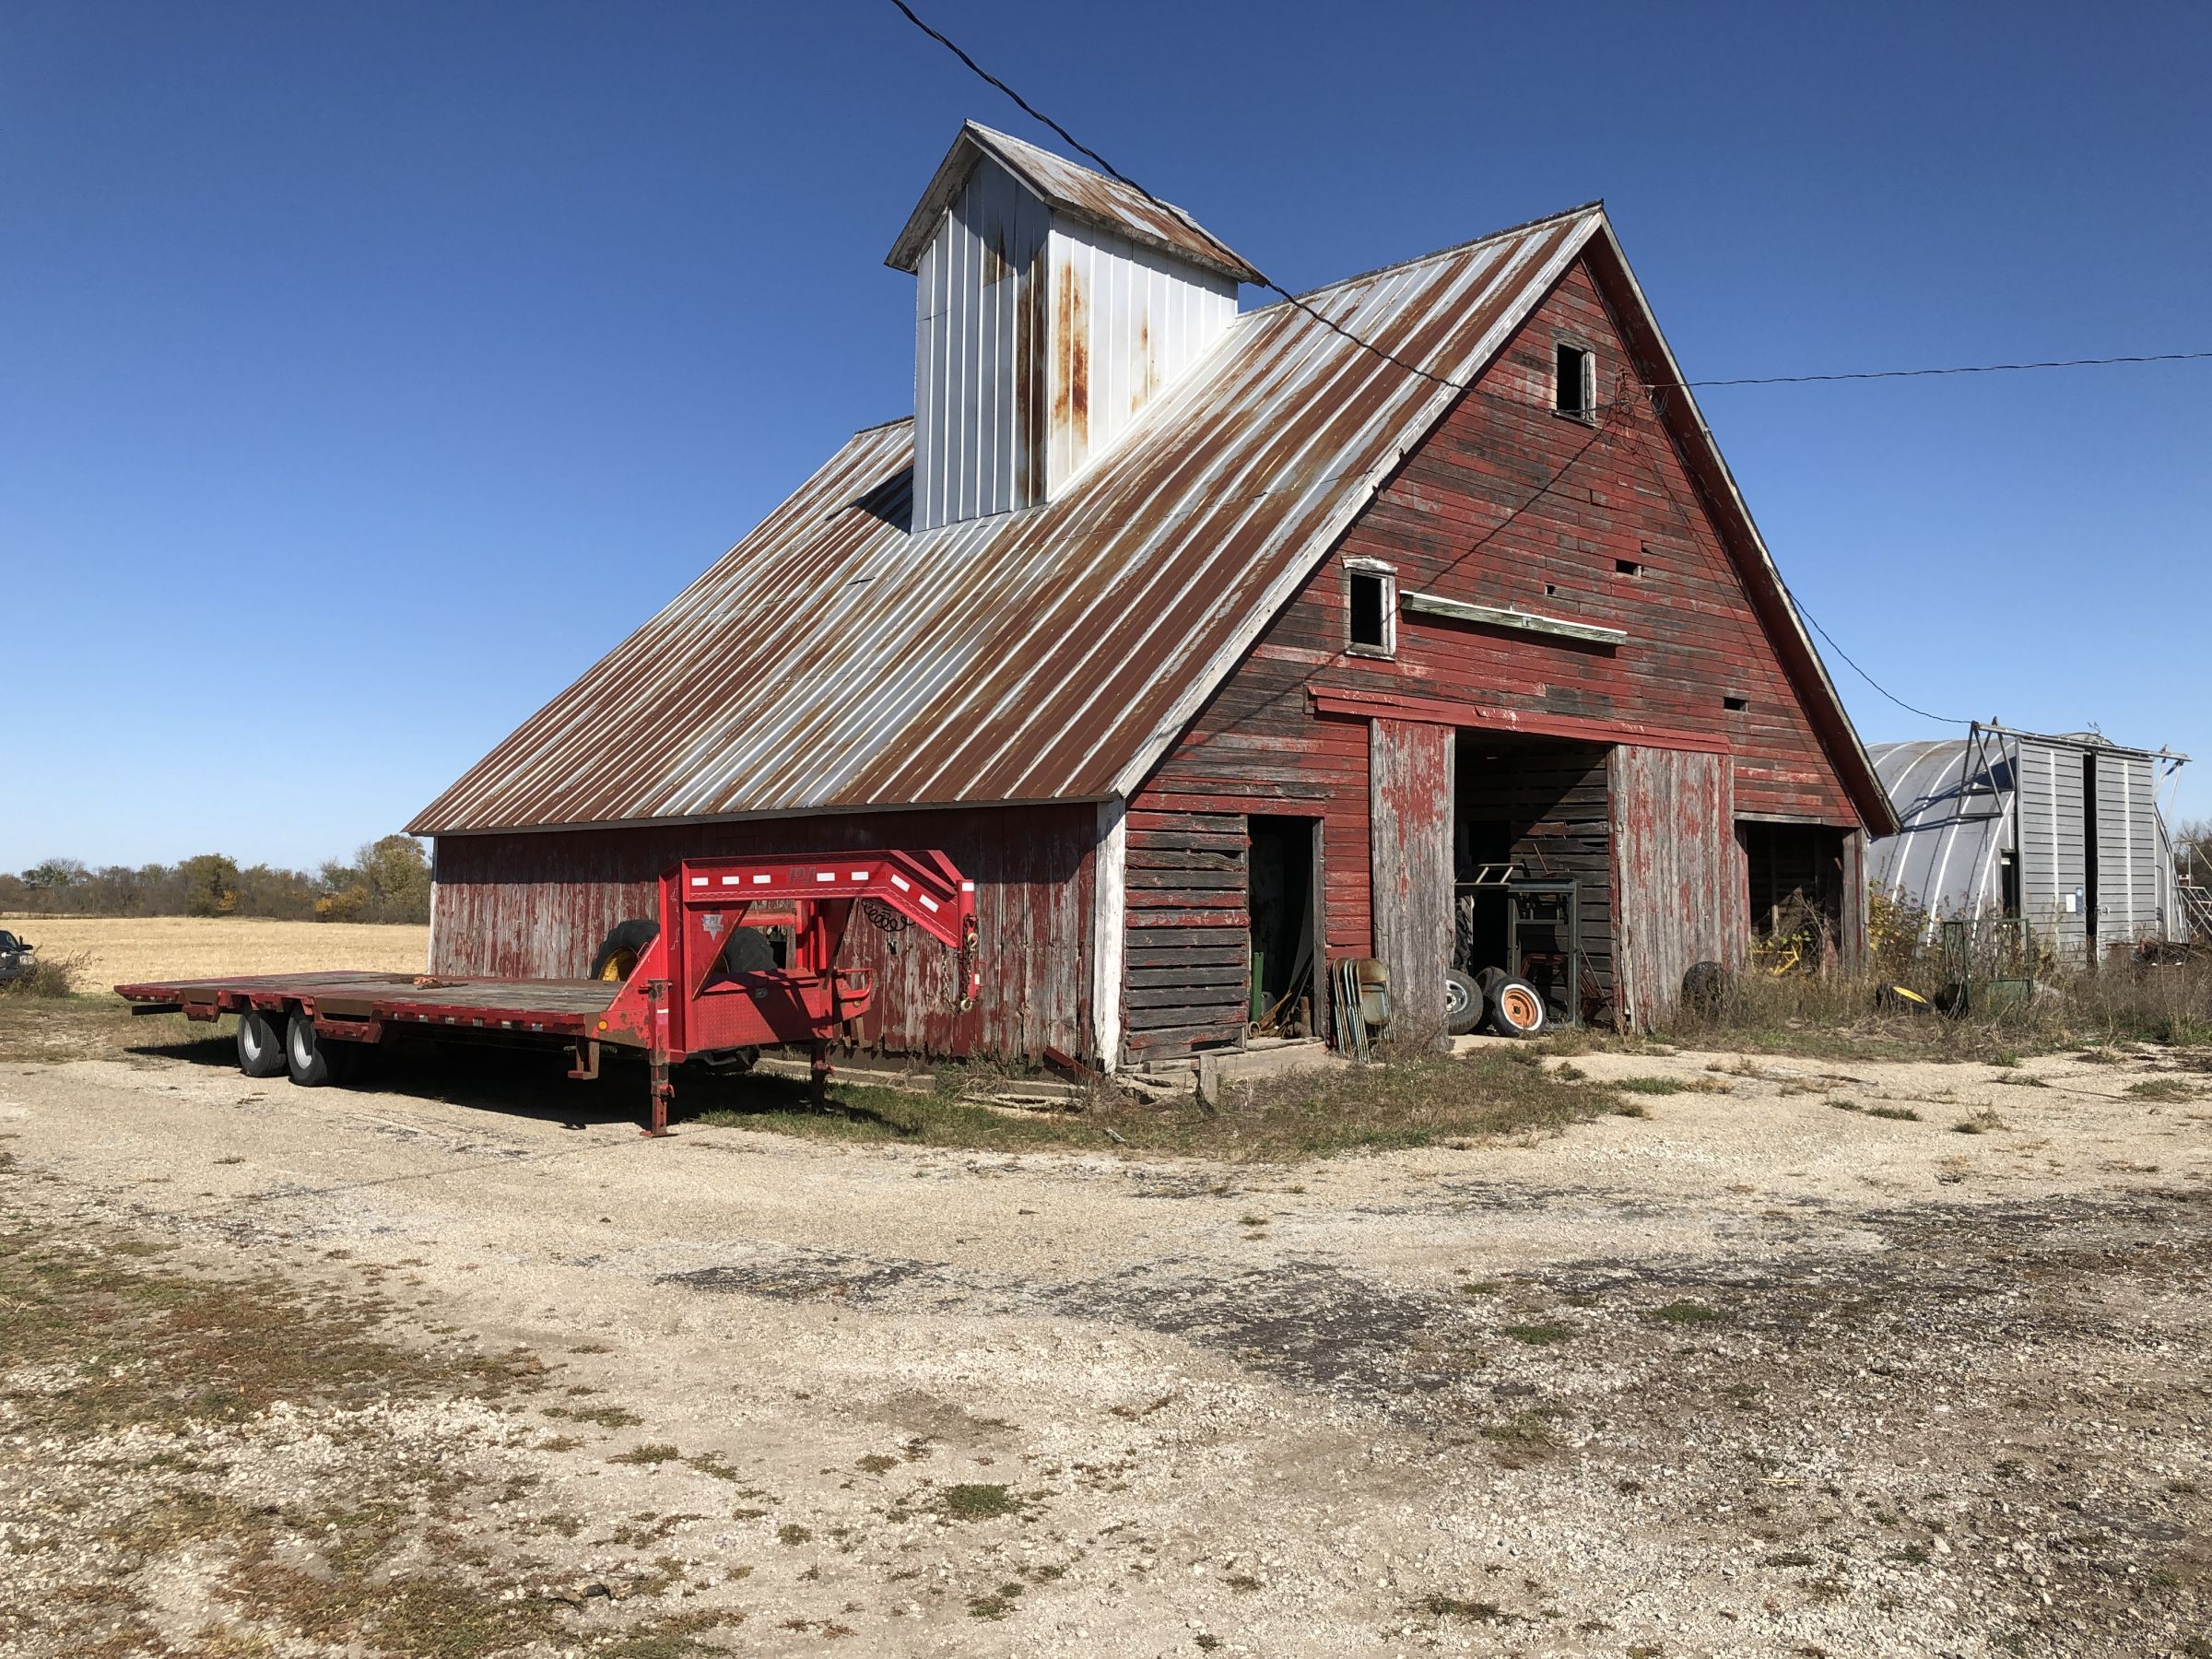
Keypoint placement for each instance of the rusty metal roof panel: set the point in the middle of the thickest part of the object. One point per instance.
(833, 660)
(1069, 189)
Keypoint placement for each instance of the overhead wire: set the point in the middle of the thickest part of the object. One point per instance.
(1264, 280)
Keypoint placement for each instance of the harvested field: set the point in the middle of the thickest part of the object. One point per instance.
(120, 950)
(1858, 1360)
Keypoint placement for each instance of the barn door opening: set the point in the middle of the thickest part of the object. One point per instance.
(1282, 904)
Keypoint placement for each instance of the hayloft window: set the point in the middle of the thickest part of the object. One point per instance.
(1571, 389)
(1370, 596)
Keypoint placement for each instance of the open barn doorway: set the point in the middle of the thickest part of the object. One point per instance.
(1796, 877)
(1532, 868)
(1283, 906)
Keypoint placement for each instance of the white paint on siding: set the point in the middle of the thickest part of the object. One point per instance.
(1108, 926)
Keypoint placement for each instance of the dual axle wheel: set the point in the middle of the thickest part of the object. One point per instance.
(269, 1044)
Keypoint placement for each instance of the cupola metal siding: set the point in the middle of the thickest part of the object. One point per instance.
(1038, 335)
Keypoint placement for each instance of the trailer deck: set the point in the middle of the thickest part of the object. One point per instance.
(547, 1007)
(681, 999)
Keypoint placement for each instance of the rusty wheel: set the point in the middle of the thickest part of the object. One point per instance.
(1517, 1008)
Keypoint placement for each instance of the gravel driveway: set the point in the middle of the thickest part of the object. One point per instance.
(1818, 1357)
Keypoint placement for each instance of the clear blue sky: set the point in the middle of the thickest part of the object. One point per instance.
(365, 372)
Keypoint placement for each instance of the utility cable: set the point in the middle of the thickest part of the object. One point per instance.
(1264, 280)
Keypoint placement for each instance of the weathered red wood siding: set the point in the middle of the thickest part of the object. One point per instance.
(1186, 957)
(1509, 504)
(1676, 875)
(538, 905)
(1409, 808)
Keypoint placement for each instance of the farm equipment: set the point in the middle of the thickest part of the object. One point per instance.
(690, 993)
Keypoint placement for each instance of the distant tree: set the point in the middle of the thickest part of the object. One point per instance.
(2193, 850)
(211, 885)
(389, 880)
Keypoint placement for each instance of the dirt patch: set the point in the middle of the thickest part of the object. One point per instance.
(491, 1374)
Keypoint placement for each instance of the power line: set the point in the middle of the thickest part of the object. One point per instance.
(1261, 277)
(1267, 282)
(1800, 380)
(1893, 696)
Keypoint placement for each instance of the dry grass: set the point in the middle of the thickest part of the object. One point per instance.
(120, 950)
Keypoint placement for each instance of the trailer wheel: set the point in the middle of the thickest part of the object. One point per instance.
(260, 1045)
(617, 957)
(1463, 1002)
(1517, 1008)
(304, 1053)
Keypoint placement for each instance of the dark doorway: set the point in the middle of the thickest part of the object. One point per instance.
(1282, 906)
(1796, 877)
(1532, 866)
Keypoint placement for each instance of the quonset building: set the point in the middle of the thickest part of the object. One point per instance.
(2063, 831)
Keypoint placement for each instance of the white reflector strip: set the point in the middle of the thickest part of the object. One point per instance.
(762, 880)
(729, 881)
(825, 875)
(900, 882)
(967, 887)
(927, 900)
(860, 874)
(698, 881)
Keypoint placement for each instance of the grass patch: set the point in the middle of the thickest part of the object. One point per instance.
(1902, 1114)
(1652, 1086)
(973, 1501)
(1688, 1314)
(1407, 1103)
(650, 1456)
(2161, 1088)
(1453, 1606)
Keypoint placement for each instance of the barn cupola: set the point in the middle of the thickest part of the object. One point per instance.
(1052, 305)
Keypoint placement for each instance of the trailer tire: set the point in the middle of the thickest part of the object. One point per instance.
(748, 952)
(1517, 1010)
(617, 957)
(1464, 1004)
(260, 1044)
(303, 1052)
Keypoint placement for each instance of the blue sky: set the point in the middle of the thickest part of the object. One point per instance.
(366, 373)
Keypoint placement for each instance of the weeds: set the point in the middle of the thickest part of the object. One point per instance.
(976, 1502)
(2161, 1088)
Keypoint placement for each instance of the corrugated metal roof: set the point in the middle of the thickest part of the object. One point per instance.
(832, 660)
(1953, 798)
(1070, 189)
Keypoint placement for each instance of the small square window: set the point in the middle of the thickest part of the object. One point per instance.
(1628, 567)
(1736, 705)
(1370, 595)
(1571, 392)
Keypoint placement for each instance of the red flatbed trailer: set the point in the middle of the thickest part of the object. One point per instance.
(681, 999)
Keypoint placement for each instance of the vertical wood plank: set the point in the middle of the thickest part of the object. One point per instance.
(1673, 874)
(1409, 783)
(1110, 931)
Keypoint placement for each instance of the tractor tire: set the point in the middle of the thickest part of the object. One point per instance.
(1707, 989)
(1516, 1009)
(617, 957)
(1465, 1008)
(260, 1044)
(748, 952)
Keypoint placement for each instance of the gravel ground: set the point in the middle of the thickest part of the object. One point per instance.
(1794, 1364)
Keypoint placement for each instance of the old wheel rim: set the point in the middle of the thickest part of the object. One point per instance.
(1519, 1008)
(1455, 997)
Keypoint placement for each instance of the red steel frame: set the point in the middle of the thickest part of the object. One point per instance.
(677, 1001)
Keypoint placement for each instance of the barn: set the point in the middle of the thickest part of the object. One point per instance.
(1418, 620)
(2061, 830)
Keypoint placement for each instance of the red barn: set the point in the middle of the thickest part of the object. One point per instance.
(1212, 643)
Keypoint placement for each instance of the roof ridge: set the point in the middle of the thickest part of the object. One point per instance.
(1597, 205)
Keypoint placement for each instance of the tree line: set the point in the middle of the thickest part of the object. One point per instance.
(388, 880)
